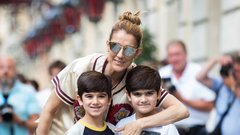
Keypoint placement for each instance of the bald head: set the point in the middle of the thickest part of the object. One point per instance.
(7, 68)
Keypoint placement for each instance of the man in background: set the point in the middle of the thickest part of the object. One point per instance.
(179, 77)
(19, 108)
(227, 87)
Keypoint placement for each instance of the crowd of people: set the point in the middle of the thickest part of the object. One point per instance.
(110, 94)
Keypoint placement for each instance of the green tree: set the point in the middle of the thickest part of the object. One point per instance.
(148, 48)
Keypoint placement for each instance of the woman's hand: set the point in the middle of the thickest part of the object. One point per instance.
(133, 128)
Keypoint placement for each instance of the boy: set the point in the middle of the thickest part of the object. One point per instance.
(94, 94)
(143, 93)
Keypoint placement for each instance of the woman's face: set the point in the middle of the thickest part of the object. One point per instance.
(119, 61)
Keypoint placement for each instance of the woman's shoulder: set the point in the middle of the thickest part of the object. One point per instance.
(84, 61)
(88, 57)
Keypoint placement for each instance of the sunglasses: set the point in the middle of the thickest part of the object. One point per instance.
(127, 50)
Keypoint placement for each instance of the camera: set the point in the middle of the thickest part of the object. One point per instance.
(226, 70)
(168, 84)
(6, 112)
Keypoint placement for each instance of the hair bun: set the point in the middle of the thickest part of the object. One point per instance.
(133, 18)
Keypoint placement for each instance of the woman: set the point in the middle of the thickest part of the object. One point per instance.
(123, 47)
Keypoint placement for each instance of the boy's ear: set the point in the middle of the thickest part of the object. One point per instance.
(129, 97)
(109, 101)
(79, 99)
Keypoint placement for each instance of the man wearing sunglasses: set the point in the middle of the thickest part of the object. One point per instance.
(123, 47)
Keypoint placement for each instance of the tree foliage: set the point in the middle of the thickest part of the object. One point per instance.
(148, 48)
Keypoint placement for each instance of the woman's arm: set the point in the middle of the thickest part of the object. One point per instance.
(46, 117)
(173, 111)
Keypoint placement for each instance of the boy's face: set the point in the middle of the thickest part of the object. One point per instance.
(144, 102)
(95, 104)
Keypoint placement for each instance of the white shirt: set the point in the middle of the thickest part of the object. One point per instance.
(161, 130)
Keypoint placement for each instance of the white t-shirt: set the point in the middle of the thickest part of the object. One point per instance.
(190, 89)
(160, 130)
